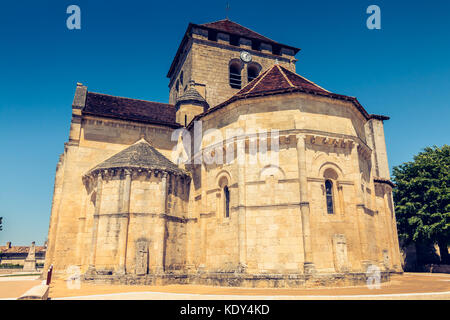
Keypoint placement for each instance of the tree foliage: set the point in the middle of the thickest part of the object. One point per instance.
(422, 197)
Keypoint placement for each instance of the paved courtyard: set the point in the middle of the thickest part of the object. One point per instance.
(407, 286)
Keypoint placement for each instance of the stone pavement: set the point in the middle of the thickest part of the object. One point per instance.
(407, 286)
(12, 287)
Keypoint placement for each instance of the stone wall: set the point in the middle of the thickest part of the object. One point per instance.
(207, 63)
(73, 206)
(359, 233)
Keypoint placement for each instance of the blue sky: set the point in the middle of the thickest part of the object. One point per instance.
(125, 48)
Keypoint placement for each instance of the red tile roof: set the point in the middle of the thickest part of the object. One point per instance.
(130, 109)
(20, 249)
(279, 80)
(230, 27)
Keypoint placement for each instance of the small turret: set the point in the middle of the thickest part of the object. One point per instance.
(190, 104)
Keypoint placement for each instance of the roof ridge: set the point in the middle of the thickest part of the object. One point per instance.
(284, 75)
(140, 154)
(109, 95)
(142, 140)
(244, 28)
(216, 21)
(253, 31)
(307, 80)
(261, 76)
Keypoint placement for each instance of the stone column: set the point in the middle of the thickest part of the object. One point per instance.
(304, 205)
(124, 221)
(387, 224)
(190, 228)
(360, 218)
(397, 263)
(242, 219)
(159, 266)
(203, 216)
(98, 198)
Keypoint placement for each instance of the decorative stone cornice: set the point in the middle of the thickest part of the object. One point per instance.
(330, 141)
(110, 173)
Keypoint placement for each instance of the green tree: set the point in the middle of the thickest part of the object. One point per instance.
(422, 199)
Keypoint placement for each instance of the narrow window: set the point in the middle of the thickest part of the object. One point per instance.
(235, 76)
(276, 50)
(212, 35)
(226, 193)
(252, 73)
(185, 120)
(329, 196)
(181, 78)
(234, 40)
(256, 45)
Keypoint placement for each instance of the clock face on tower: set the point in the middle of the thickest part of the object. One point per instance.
(245, 56)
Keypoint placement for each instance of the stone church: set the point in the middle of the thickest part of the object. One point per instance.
(135, 200)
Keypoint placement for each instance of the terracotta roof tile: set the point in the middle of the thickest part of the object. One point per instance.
(279, 80)
(139, 155)
(130, 109)
(20, 249)
(231, 27)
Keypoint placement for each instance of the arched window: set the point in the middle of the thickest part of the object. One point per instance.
(226, 193)
(329, 196)
(181, 78)
(252, 72)
(235, 76)
(177, 87)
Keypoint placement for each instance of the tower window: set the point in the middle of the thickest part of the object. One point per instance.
(252, 72)
(226, 193)
(276, 50)
(181, 78)
(256, 45)
(329, 196)
(235, 76)
(234, 40)
(212, 35)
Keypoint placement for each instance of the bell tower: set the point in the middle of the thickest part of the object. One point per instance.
(221, 58)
